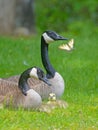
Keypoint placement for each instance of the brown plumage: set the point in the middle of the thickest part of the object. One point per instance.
(9, 92)
(40, 87)
(19, 94)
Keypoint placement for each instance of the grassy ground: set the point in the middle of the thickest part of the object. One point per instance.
(79, 69)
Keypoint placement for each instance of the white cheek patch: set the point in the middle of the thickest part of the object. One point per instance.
(33, 73)
(47, 38)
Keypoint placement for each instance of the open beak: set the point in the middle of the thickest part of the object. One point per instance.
(44, 79)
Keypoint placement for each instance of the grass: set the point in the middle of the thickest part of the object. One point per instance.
(79, 69)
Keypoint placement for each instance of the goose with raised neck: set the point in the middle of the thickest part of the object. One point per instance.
(55, 79)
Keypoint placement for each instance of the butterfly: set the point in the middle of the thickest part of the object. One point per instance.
(68, 47)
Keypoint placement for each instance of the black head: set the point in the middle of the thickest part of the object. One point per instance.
(50, 36)
(38, 73)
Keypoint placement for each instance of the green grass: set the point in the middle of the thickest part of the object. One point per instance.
(79, 69)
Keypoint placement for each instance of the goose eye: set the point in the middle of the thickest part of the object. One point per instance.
(40, 73)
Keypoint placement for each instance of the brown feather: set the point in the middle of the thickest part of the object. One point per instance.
(10, 95)
(9, 92)
(39, 86)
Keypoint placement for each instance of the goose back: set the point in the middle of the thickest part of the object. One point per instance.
(8, 92)
(40, 87)
(10, 95)
(43, 89)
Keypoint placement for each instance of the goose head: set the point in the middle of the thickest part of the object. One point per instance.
(38, 73)
(34, 72)
(50, 36)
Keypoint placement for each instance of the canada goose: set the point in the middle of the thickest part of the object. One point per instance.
(55, 79)
(20, 94)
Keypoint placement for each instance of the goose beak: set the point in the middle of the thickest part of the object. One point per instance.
(44, 79)
(60, 38)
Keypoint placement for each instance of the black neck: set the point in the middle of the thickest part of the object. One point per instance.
(23, 85)
(45, 59)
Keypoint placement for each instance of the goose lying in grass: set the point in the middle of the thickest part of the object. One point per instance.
(20, 94)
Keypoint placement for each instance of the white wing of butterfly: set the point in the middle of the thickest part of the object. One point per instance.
(68, 47)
